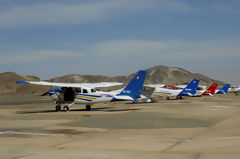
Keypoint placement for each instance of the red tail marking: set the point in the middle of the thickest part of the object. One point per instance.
(211, 89)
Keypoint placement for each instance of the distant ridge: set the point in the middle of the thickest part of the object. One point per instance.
(8, 83)
(174, 75)
(157, 74)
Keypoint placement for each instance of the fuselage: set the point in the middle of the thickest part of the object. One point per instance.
(88, 96)
(82, 96)
(165, 92)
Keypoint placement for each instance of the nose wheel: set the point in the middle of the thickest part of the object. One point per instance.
(66, 108)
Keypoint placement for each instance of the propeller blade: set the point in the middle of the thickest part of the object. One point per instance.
(46, 93)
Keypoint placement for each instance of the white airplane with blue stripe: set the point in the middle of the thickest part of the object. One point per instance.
(189, 90)
(86, 93)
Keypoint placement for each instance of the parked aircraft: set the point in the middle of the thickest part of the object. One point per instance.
(189, 90)
(86, 93)
(233, 89)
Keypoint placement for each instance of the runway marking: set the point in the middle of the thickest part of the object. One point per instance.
(172, 140)
(224, 138)
(221, 107)
(164, 140)
(29, 133)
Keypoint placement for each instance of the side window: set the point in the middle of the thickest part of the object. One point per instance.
(78, 90)
(85, 91)
(93, 90)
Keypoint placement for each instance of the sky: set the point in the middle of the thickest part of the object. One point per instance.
(50, 38)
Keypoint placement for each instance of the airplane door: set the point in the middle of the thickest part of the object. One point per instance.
(69, 94)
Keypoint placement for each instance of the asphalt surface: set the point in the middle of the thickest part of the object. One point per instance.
(192, 128)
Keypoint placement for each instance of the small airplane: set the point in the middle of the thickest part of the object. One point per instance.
(210, 91)
(86, 93)
(224, 89)
(189, 90)
(233, 89)
(199, 87)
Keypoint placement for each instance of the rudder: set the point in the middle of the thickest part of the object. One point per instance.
(135, 86)
(191, 88)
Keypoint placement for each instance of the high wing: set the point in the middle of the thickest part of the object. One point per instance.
(74, 85)
(155, 85)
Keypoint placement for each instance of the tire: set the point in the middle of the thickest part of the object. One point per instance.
(65, 108)
(88, 107)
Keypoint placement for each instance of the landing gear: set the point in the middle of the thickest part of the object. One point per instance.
(66, 108)
(88, 107)
(135, 101)
(58, 108)
(179, 97)
(168, 98)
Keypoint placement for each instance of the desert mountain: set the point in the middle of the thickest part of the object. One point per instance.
(9, 85)
(176, 76)
(157, 74)
(8, 82)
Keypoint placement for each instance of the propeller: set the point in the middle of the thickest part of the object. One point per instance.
(46, 93)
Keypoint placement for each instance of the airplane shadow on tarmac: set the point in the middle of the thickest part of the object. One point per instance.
(105, 109)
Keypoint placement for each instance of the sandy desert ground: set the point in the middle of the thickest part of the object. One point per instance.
(192, 128)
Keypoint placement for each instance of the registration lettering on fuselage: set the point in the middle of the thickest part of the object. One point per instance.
(127, 91)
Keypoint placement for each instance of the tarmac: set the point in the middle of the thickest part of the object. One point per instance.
(191, 128)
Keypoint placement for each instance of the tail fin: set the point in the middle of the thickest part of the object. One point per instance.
(224, 90)
(211, 90)
(190, 89)
(135, 86)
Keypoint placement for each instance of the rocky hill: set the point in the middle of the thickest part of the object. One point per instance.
(8, 84)
(157, 74)
(175, 76)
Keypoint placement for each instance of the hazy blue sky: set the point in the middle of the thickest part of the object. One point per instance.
(50, 38)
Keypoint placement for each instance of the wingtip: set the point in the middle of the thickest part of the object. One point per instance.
(22, 82)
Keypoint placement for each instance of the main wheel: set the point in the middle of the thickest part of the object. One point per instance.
(58, 108)
(88, 107)
(65, 108)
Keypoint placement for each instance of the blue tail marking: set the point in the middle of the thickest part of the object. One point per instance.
(224, 90)
(135, 86)
(191, 88)
(22, 82)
